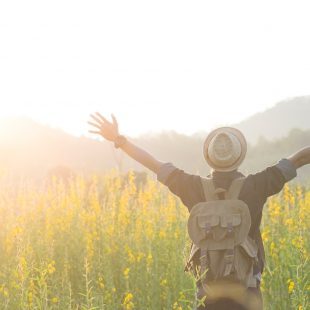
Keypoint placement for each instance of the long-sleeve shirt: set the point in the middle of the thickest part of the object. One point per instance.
(255, 191)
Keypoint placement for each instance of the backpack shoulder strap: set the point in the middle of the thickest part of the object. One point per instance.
(235, 188)
(208, 189)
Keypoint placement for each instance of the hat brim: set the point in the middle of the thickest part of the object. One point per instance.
(241, 139)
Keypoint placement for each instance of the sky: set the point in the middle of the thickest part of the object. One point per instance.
(157, 65)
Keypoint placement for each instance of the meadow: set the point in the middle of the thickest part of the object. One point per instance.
(110, 243)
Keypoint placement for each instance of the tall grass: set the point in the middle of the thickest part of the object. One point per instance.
(106, 244)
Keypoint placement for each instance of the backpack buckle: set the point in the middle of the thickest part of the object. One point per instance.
(208, 229)
(229, 228)
(229, 255)
(229, 259)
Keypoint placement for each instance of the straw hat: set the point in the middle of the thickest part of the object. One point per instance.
(225, 148)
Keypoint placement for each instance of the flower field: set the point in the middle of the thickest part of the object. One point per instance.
(107, 243)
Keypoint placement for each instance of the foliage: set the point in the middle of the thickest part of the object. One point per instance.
(105, 244)
(286, 238)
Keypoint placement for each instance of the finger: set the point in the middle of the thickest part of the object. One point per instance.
(114, 120)
(102, 118)
(95, 118)
(94, 124)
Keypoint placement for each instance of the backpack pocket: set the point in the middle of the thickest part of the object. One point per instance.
(244, 261)
(211, 220)
(234, 219)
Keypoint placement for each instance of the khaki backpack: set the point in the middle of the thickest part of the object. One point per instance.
(219, 229)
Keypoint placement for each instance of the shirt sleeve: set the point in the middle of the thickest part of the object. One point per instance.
(271, 180)
(186, 186)
(287, 169)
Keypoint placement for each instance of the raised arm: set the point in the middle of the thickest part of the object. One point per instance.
(300, 158)
(109, 131)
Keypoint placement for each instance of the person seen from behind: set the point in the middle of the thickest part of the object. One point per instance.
(227, 253)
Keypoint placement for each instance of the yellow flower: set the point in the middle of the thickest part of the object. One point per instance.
(131, 257)
(100, 282)
(30, 297)
(126, 273)
(291, 286)
(176, 306)
(55, 300)
(128, 298)
(5, 292)
(163, 282)
(266, 234)
(127, 303)
(51, 267)
(139, 257)
(149, 260)
(298, 242)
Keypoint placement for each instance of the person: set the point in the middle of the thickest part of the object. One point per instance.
(224, 150)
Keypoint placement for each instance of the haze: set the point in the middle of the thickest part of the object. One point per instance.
(161, 65)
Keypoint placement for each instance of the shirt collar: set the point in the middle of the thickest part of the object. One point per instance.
(231, 175)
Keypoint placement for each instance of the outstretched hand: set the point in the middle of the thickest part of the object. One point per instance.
(104, 128)
(109, 130)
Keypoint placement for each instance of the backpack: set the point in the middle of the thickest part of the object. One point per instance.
(219, 232)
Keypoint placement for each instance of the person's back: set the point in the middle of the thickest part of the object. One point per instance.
(224, 151)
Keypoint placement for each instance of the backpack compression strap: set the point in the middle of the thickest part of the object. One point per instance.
(212, 194)
(235, 188)
(209, 190)
(232, 193)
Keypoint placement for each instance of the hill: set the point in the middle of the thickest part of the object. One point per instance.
(31, 149)
(276, 122)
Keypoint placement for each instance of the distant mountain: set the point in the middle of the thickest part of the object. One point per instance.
(276, 122)
(31, 149)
